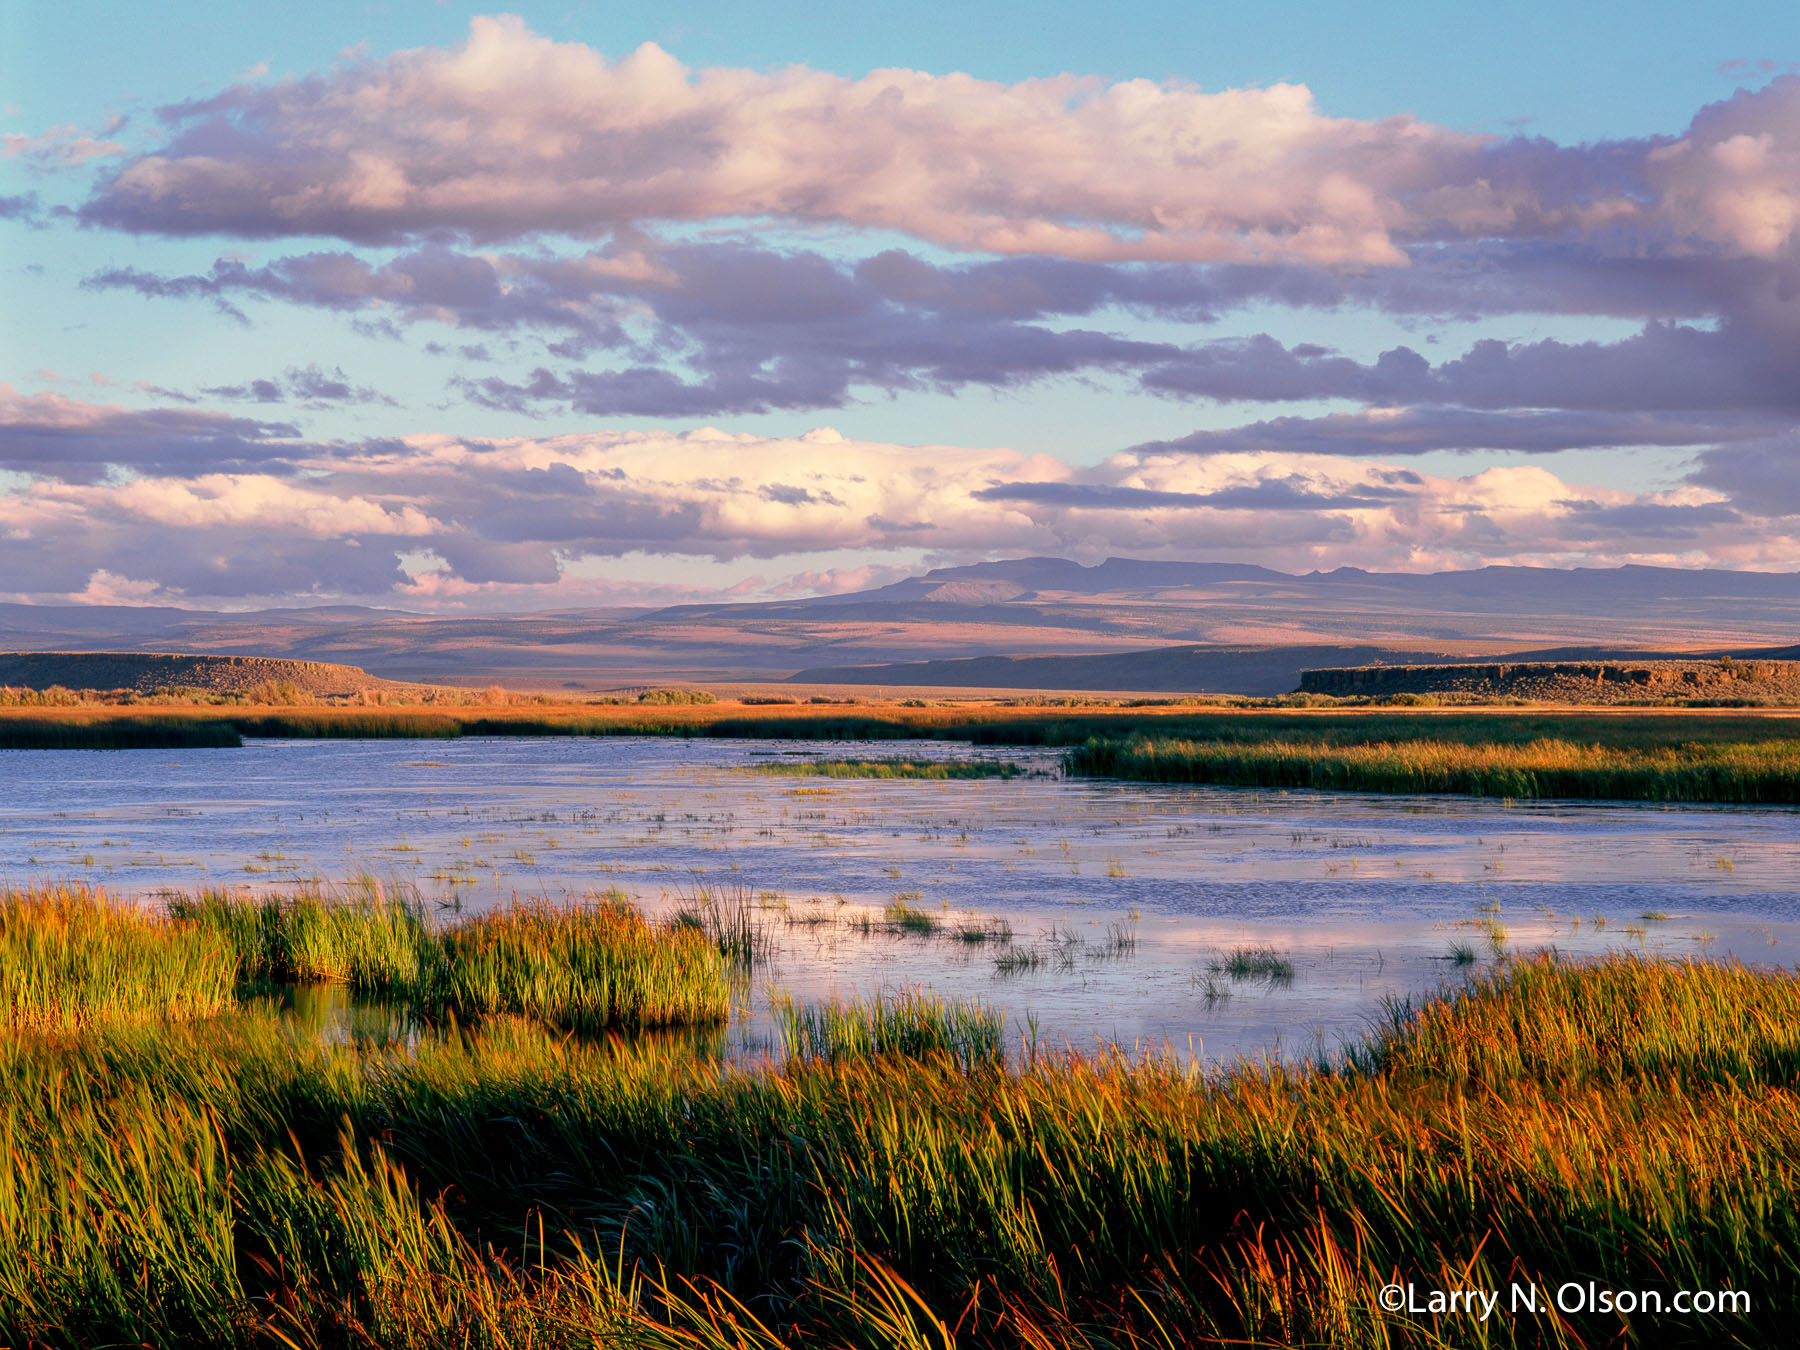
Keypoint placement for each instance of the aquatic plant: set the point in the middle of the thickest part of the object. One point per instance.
(224, 1182)
(72, 957)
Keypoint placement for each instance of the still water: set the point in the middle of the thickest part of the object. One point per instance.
(1124, 900)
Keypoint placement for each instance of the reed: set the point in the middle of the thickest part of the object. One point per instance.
(580, 969)
(910, 1024)
(116, 733)
(1765, 771)
(223, 1181)
(936, 769)
(71, 957)
(379, 944)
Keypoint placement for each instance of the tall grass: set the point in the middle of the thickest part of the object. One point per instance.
(115, 733)
(909, 1024)
(1765, 771)
(71, 957)
(580, 969)
(938, 769)
(376, 943)
(227, 1183)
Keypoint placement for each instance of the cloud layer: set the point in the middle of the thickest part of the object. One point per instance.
(566, 235)
(523, 521)
(512, 135)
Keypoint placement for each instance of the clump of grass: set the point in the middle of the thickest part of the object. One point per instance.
(728, 919)
(72, 956)
(373, 941)
(1254, 963)
(1613, 1021)
(910, 1024)
(1018, 960)
(1121, 939)
(1461, 954)
(904, 917)
(580, 969)
(893, 768)
(997, 929)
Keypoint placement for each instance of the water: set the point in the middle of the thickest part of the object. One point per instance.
(1130, 892)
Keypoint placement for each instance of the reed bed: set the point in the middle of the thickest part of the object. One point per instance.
(934, 769)
(102, 732)
(379, 944)
(1764, 771)
(910, 1024)
(72, 957)
(580, 969)
(226, 1183)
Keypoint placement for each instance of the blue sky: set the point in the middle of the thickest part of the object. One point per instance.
(1495, 286)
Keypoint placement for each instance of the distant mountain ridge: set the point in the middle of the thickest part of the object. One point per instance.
(1035, 607)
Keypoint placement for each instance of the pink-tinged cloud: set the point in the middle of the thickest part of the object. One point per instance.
(539, 519)
(56, 436)
(512, 134)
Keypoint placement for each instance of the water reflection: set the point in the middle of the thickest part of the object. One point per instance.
(1083, 909)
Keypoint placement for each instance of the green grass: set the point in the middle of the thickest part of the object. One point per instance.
(910, 1024)
(72, 958)
(902, 916)
(116, 733)
(226, 1183)
(580, 969)
(1764, 771)
(892, 768)
(1675, 756)
(1254, 963)
(379, 944)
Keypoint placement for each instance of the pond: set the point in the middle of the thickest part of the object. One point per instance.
(1081, 909)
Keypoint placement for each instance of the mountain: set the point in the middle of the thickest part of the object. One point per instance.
(1021, 607)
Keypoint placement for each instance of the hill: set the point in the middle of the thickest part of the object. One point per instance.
(149, 672)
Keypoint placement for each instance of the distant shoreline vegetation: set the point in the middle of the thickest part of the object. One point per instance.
(1768, 772)
(1668, 755)
(893, 768)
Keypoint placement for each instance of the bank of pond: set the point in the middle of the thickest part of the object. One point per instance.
(184, 1165)
(1667, 756)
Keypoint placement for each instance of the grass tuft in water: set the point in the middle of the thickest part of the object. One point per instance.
(1254, 963)
(910, 1024)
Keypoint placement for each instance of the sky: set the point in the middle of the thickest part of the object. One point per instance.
(442, 307)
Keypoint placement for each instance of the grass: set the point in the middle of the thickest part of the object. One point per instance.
(728, 920)
(1671, 755)
(102, 732)
(71, 958)
(378, 943)
(1626, 1123)
(1765, 771)
(579, 969)
(902, 916)
(1254, 963)
(910, 1025)
(893, 768)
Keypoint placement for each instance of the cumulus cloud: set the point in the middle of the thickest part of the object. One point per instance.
(536, 519)
(76, 441)
(1422, 430)
(512, 134)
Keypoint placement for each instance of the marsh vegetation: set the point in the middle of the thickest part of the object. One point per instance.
(181, 1171)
